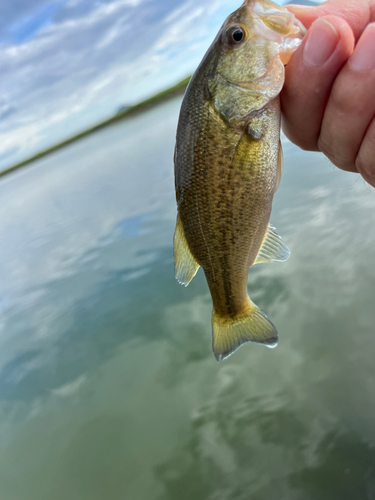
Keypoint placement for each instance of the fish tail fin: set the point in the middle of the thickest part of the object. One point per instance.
(251, 326)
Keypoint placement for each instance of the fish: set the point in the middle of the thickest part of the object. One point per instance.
(228, 162)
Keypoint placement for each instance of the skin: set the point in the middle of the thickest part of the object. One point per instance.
(336, 92)
(226, 168)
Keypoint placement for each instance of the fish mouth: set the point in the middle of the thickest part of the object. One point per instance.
(276, 24)
(276, 18)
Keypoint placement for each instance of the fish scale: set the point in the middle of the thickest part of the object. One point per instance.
(228, 163)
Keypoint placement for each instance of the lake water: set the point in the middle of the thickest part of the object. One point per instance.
(108, 385)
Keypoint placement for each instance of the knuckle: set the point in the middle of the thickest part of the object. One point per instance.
(326, 147)
(306, 144)
(298, 135)
(365, 161)
(339, 158)
(360, 165)
(365, 164)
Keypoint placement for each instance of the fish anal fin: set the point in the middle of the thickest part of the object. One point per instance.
(185, 265)
(251, 326)
(273, 249)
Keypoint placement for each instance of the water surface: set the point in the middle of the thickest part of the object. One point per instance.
(108, 385)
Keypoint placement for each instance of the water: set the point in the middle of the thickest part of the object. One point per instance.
(108, 386)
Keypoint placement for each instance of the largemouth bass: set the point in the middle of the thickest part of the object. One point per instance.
(228, 163)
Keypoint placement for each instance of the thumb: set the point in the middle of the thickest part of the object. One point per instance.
(357, 13)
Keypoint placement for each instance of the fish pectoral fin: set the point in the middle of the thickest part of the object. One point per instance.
(230, 333)
(185, 265)
(273, 249)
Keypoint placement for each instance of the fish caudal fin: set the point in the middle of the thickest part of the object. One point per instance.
(185, 265)
(230, 333)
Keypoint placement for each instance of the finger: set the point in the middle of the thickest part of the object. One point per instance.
(358, 13)
(351, 106)
(309, 78)
(365, 161)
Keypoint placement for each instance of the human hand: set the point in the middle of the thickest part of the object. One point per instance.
(328, 100)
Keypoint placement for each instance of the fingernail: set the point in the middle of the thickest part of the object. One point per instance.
(299, 10)
(321, 43)
(363, 57)
(299, 7)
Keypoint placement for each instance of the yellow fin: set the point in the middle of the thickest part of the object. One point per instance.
(230, 333)
(273, 249)
(185, 265)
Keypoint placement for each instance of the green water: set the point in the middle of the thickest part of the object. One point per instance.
(108, 386)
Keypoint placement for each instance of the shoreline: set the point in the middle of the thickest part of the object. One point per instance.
(165, 95)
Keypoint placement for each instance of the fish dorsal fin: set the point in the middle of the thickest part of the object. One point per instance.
(185, 265)
(280, 166)
(273, 249)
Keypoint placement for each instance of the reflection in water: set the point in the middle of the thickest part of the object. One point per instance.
(265, 448)
(108, 385)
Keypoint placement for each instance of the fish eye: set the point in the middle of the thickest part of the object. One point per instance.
(235, 35)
